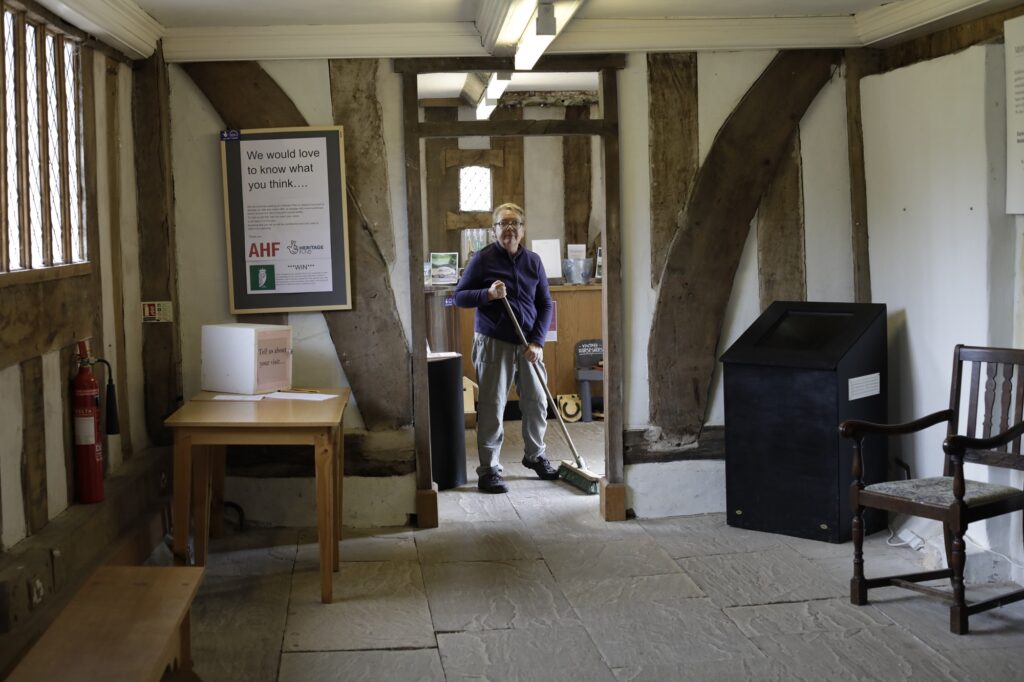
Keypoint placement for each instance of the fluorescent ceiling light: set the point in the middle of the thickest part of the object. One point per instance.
(539, 33)
(497, 84)
(484, 107)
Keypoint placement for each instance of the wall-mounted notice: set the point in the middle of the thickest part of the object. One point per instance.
(1014, 46)
(865, 386)
(286, 221)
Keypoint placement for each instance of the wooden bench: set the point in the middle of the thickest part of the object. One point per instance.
(127, 623)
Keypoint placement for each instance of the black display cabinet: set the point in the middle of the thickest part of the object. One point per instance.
(447, 421)
(790, 379)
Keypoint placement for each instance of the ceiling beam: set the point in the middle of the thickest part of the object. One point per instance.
(473, 88)
(119, 23)
(900, 21)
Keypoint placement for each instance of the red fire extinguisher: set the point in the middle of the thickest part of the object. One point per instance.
(88, 439)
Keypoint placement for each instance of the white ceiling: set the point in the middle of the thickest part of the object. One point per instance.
(202, 30)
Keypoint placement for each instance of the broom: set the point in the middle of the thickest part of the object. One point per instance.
(576, 474)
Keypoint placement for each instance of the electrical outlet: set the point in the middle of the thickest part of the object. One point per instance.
(36, 591)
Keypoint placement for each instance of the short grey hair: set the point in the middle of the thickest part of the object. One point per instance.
(508, 206)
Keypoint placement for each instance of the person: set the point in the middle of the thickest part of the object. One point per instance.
(506, 269)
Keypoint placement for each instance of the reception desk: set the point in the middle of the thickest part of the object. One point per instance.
(579, 317)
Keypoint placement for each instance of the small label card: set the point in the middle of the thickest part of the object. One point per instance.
(865, 386)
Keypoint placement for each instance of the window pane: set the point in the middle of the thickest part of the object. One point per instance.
(74, 189)
(11, 139)
(53, 151)
(475, 188)
(35, 200)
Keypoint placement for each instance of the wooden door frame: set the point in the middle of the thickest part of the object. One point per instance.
(613, 497)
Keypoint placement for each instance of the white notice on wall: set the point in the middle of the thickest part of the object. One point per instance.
(1014, 46)
(865, 386)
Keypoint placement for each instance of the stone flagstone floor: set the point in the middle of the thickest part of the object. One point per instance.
(534, 586)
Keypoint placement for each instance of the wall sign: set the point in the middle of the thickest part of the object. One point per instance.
(286, 220)
(1013, 31)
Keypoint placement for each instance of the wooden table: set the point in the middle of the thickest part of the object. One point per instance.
(127, 623)
(203, 426)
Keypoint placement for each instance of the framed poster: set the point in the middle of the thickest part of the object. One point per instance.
(285, 219)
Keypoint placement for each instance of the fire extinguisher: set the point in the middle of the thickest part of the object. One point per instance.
(88, 439)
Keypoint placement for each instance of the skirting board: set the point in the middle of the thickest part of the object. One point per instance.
(677, 488)
(368, 501)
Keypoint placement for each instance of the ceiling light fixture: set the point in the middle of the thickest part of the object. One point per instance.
(498, 83)
(539, 33)
(484, 107)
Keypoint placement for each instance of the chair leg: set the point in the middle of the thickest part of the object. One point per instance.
(958, 611)
(858, 588)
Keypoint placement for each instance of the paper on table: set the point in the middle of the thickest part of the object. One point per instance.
(289, 395)
(236, 396)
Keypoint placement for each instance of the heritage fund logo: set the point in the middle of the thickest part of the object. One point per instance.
(303, 249)
(261, 278)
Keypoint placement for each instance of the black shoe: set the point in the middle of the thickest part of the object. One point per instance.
(543, 468)
(491, 482)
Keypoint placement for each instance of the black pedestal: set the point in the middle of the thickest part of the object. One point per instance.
(447, 422)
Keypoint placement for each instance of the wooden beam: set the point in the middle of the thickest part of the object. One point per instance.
(33, 445)
(244, 95)
(781, 259)
(161, 353)
(43, 316)
(673, 146)
(370, 339)
(859, 63)
(473, 89)
(113, 127)
(467, 220)
(578, 177)
(705, 253)
(473, 157)
(513, 128)
(90, 156)
(568, 63)
(434, 102)
(425, 495)
(442, 185)
(614, 317)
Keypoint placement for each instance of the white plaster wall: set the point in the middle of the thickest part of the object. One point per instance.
(828, 222)
(12, 505)
(131, 277)
(940, 250)
(54, 387)
(697, 487)
(638, 298)
(544, 180)
(722, 80)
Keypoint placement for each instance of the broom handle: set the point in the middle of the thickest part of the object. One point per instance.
(565, 432)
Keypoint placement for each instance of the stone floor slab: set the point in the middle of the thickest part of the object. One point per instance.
(928, 619)
(361, 544)
(758, 668)
(644, 589)
(805, 616)
(422, 665)
(636, 634)
(706, 535)
(494, 595)
(571, 519)
(496, 541)
(988, 665)
(460, 505)
(604, 560)
(761, 578)
(559, 653)
(377, 605)
(880, 653)
(237, 623)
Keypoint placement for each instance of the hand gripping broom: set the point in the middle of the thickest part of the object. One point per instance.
(574, 474)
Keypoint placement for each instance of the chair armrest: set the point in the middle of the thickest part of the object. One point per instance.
(854, 428)
(956, 446)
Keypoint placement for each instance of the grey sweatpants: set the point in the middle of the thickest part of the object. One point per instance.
(497, 364)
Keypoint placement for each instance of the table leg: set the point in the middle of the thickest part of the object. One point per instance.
(185, 652)
(201, 502)
(218, 464)
(324, 453)
(182, 492)
(339, 490)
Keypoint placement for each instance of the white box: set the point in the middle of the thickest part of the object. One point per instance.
(246, 358)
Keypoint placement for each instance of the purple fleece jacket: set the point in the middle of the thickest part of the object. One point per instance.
(526, 286)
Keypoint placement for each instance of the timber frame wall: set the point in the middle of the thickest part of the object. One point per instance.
(613, 500)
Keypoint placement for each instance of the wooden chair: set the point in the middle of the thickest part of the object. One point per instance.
(950, 499)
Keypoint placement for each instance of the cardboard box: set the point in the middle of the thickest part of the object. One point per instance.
(246, 358)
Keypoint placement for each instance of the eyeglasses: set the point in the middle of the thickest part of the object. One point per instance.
(509, 223)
